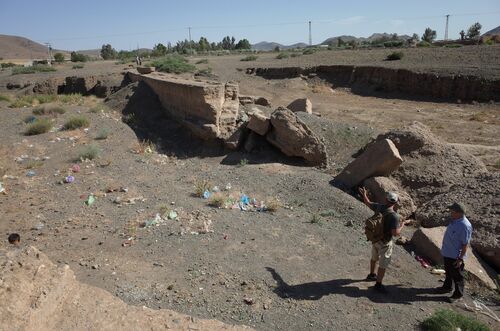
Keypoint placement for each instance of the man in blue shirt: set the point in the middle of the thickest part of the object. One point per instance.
(455, 242)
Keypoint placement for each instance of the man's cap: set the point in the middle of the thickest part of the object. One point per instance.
(458, 207)
(392, 197)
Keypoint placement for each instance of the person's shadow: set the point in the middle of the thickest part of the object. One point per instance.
(316, 290)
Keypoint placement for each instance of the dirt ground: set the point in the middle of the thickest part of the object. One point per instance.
(289, 270)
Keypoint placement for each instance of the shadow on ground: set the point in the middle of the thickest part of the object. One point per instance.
(316, 290)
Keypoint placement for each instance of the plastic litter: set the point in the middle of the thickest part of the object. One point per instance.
(39, 226)
(424, 263)
(31, 173)
(206, 195)
(2, 189)
(172, 215)
(90, 200)
(75, 168)
(435, 271)
(153, 222)
(216, 189)
(228, 187)
(69, 179)
(481, 308)
(244, 199)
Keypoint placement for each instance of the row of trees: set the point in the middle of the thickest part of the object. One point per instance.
(473, 33)
(181, 47)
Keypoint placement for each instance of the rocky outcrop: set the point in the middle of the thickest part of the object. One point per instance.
(428, 243)
(38, 295)
(378, 188)
(294, 138)
(209, 108)
(361, 78)
(301, 105)
(378, 159)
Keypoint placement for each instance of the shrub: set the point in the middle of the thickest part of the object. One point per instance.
(200, 186)
(315, 219)
(8, 65)
(72, 98)
(448, 320)
(173, 64)
(272, 204)
(78, 66)
(32, 69)
(40, 126)
(30, 100)
(296, 55)
(488, 42)
(102, 134)
(89, 153)
(49, 111)
(76, 122)
(453, 46)
(243, 162)
(282, 56)
(77, 57)
(59, 57)
(4, 98)
(100, 108)
(202, 61)
(45, 98)
(424, 43)
(250, 58)
(309, 51)
(393, 43)
(31, 164)
(217, 200)
(395, 56)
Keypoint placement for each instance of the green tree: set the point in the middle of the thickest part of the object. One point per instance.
(159, 50)
(203, 45)
(415, 37)
(340, 42)
(429, 35)
(108, 52)
(228, 42)
(474, 31)
(277, 49)
(243, 44)
(59, 57)
(77, 57)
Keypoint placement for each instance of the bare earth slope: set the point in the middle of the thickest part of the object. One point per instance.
(38, 295)
(14, 47)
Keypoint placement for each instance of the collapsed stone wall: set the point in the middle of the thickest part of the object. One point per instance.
(209, 108)
(423, 84)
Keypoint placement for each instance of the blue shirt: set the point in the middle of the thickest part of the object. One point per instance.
(457, 234)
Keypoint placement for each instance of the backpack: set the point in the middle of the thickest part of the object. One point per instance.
(374, 227)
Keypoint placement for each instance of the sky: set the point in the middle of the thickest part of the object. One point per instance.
(126, 24)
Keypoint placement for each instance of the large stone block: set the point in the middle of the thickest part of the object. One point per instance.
(428, 243)
(379, 159)
(294, 138)
(259, 123)
(303, 104)
(196, 103)
(379, 186)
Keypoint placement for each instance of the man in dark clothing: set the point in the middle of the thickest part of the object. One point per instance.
(382, 250)
(455, 242)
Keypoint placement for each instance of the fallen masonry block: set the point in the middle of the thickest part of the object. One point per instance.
(379, 159)
(246, 99)
(262, 102)
(428, 243)
(208, 108)
(294, 138)
(259, 123)
(303, 104)
(379, 186)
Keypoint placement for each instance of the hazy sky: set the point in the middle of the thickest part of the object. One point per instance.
(86, 24)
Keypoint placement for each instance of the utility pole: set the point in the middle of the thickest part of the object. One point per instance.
(190, 50)
(49, 49)
(310, 35)
(446, 29)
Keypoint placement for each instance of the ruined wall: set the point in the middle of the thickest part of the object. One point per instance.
(411, 83)
(208, 108)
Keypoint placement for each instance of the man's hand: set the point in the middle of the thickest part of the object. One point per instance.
(458, 263)
(363, 191)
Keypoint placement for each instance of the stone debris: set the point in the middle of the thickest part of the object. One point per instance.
(379, 159)
(301, 105)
